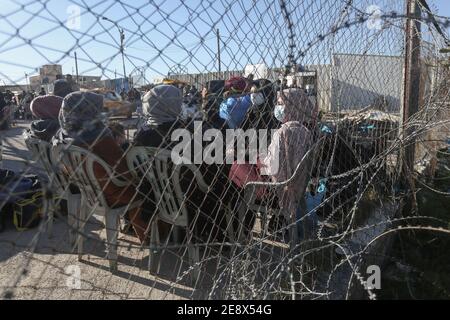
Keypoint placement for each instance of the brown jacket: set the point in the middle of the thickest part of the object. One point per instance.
(109, 150)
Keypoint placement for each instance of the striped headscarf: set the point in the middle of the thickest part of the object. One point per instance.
(162, 104)
(81, 117)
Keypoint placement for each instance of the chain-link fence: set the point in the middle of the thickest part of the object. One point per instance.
(218, 149)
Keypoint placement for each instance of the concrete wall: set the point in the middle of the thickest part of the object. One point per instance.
(357, 80)
(351, 82)
(323, 86)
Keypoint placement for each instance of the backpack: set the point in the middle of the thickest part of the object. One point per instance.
(21, 198)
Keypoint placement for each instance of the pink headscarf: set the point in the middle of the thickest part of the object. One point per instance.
(46, 107)
(290, 144)
(238, 84)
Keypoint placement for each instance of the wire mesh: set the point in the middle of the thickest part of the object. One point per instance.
(121, 219)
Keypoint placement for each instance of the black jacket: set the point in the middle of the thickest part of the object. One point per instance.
(206, 209)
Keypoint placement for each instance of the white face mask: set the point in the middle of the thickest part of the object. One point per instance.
(279, 112)
(257, 99)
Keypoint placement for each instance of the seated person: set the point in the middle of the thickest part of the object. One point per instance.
(82, 125)
(289, 145)
(162, 111)
(45, 111)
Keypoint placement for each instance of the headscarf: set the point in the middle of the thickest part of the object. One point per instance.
(62, 88)
(162, 104)
(290, 144)
(46, 107)
(237, 84)
(298, 106)
(81, 119)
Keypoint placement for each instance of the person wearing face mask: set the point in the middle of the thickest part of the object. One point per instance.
(163, 114)
(298, 116)
(82, 125)
(290, 143)
(279, 112)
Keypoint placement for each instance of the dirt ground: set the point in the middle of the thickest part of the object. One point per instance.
(34, 266)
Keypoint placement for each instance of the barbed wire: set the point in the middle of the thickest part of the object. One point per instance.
(357, 77)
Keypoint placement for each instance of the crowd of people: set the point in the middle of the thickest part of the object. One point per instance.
(16, 106)
(75, 118)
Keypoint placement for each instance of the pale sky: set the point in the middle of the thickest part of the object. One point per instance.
(179, 33)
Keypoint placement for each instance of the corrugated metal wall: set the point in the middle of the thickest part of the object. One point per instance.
(199, 79)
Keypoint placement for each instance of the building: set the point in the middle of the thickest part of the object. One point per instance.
(354, 82)
(35, 82)
(88, 82)
(357, 81)
(48, 74)
(46, 77)
(349, 82)
(316, 79)
(116, 85)
(157, 80)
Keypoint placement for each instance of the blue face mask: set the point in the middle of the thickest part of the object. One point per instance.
(279, 112)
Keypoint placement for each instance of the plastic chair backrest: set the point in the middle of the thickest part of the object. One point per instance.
(42, 152)
(164, 177)
(78, 163)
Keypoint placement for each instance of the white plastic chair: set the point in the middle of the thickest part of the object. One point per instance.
(164, 176)
(303, 168)
(42, 152)
(79, 164)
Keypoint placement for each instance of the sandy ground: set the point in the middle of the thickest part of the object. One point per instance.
(34, 266)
